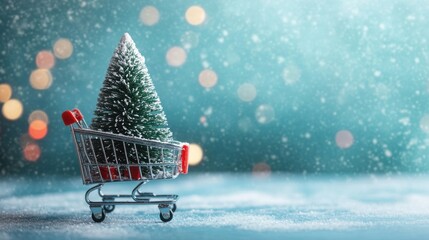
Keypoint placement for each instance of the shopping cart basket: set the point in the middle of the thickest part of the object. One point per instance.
(108, 157)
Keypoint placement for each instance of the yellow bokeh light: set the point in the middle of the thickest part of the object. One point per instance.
(12, 109)
(195, 154)
(63, 48)
(5, 92)
(45, 59)
(207, 78)
(246, 92)
(149, 15)
(41, 79)
(176, 56)
(195, 15)
(38, 115)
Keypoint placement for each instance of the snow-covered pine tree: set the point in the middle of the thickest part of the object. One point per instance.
(128, 103)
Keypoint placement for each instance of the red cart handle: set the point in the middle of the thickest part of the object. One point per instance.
(73, 116)
(185, 157)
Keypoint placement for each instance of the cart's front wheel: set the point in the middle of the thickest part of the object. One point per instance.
(174, 207)
(99, 217)
(166, 217)
(109, 208)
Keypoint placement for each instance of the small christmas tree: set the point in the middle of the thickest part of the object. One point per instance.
(128, 104)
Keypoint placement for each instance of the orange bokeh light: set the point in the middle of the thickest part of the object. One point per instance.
(38, 129)
(32, 152)
(45, 59)
(5, 92)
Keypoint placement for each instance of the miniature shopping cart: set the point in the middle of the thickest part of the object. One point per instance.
(108, 157)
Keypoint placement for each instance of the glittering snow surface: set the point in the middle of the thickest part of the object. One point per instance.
(217, 206)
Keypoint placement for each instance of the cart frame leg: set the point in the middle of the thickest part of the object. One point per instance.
(96, 187)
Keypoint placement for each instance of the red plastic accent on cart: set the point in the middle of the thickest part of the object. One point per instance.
(104, 170)
(68, 118)
(73, 116)
(185, 156)
(135, 173)
(77, 114)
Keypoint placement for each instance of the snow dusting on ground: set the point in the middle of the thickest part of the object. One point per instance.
(217, 206)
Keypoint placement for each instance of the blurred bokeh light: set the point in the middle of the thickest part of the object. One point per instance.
(41, 79)
(38, 129)
(32, 152)
(264, 114)
(246, 92)
(176, 56)
(63, 48)
(291, 75)
(207, 78)
(344, 139)
(5, 92)
(195, 15)
(45, 59)
(195, 154)
(12, 109)
(38, 115)
(149, 15)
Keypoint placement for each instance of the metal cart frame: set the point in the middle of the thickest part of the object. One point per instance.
(108, 157)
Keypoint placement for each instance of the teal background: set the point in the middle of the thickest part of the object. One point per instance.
(363, 68)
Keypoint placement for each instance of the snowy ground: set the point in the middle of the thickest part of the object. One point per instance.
(217, 206)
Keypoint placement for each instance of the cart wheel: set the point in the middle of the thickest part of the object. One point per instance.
(109, 208)
(99, 217)
(174, 208)
(166, 217)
